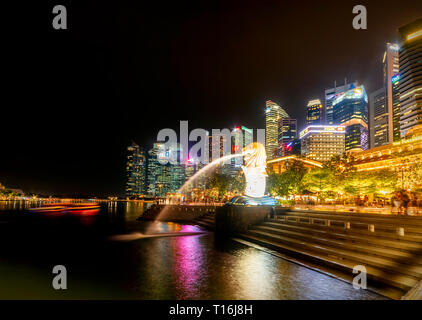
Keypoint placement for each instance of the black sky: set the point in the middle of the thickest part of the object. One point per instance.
(73, 99)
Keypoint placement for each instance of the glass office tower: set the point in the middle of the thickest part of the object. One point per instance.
(351, 111)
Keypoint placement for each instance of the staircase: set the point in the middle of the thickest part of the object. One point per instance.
(207, 221)
(390, 247)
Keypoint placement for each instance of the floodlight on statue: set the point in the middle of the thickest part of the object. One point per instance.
(255, 160)
(255, 169)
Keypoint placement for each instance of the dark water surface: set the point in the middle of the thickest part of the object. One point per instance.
(176, 267)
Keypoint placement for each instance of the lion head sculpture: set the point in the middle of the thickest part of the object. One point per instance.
(254, 155)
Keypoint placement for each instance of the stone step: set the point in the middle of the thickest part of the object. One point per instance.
(307, 253)
(379, 234)
(360, 258)
(341, 234)
(359, 224)
(205, 224)
(344, 243)
(354, 214)
(209, 219)
(409, 221)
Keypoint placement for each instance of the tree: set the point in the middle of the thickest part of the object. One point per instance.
(385, 181)
(221, 183)
(288, 182)
(237, 184)
(415, 176)
(317, 181)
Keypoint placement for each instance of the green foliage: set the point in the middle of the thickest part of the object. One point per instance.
(288, 182)
(224, 183)
(220, 182)
(318, 181)
(336, 179)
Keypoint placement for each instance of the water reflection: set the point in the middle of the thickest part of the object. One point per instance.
(187, 267)
(183, 267)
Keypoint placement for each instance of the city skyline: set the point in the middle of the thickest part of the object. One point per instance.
(97, 137)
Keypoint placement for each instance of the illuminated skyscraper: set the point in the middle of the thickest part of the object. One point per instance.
(155, 171)
(241, 137)
(165, 174)
(217, 147)
(287, 133)
(273, 113)
(378, 119)
(396, 107)
(136, 170)
(351, 111)
(314, 112)
(384, 105)
(322, 142)
(331, 94)
(410, 75)
(391, 71)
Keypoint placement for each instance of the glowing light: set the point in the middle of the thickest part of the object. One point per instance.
(319, 129)
(395, 78)
(355, 93)
(255, 169)
(414, 35)
(314, 102)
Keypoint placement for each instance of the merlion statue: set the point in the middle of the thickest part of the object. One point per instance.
(255, 169)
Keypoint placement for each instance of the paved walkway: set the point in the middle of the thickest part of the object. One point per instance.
(412, 211)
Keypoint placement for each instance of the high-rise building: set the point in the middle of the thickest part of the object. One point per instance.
(287, 133)
(136, 170)
(314, 112)
(384, 105)
(273, 113)
(410, 87)
(219, 144)
(391, 69)
(155, 171)
(396, 107)
(322, 142)
(175, 169)
(165, 173)
(241, 137)
(378, 119)
(331, 94)
(351, 111)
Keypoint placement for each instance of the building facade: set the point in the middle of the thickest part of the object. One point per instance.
(322, 142)
(400, 156)
(384, 104)
(314, 112)
(287, 133)
(396, 107)
(378, 119)
(273, 113)
(410, 87)
(351, 111)
(240, 138)
(330, 95)
(136, 171)
(391, 70)
(165, 172)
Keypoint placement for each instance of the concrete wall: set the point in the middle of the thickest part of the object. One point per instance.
(175, 212)
(230, 219)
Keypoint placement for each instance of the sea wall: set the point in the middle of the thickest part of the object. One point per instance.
(176, 212)
(230, 219)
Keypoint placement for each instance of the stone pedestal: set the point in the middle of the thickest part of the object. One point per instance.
(231, 219)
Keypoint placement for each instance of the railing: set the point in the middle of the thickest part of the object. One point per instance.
(334, 222)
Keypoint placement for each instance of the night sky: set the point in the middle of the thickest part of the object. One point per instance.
(73, 99)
